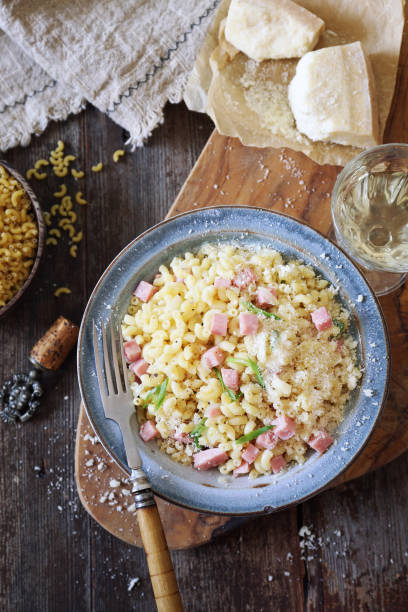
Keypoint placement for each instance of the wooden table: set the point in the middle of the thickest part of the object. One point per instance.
(53, 556)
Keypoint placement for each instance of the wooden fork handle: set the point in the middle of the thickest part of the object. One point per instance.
(161, 569)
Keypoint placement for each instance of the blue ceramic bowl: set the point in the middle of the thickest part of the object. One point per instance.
(210, 491)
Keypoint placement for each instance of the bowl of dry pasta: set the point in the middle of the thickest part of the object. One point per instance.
(257, 357)
(22, 233)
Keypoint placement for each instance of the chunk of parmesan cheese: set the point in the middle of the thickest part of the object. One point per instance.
(332, 96)
(272, 29)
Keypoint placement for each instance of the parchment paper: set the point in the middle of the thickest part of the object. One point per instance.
(248, 99)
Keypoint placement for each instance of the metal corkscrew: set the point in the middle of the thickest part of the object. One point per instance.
(20, 395)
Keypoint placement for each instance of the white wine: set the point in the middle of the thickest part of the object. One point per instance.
(370, 214)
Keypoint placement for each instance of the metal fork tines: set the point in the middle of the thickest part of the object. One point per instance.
(116, 394)
(114, 387)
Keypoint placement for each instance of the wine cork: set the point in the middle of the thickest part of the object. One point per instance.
(50, 352)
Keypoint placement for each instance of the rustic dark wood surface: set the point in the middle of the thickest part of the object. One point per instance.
(53, 556)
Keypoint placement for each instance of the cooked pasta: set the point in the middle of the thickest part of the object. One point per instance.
(226, 353)
(18, 236)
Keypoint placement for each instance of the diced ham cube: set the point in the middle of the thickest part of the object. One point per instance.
(212, 411)
(139, 367)
(266, 297)
(231, 378)
(320, 441)
(207, 459)
(248, 324)
(222, 282)
(244, 277)
(250, 453)
(322, 319)
(148, 431)
(219, 324)
(243, 468)
(269, 439)
(181, 436)
(277, 463)
(144, 291)
(213, 357)
(285, 427)
(132, 350)
(339, 346)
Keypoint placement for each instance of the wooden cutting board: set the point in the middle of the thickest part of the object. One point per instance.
(285, 181)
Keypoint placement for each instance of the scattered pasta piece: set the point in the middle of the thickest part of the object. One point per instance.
(61, 290)
(55, 209)
(40, 176)
(55, 232)
(69, 158)
(41, 162)
(78, 174)
(79, 198)
(97, 167)
(117, 155)
(60, 146)
(63, 222)
(47, 218)
(72, 215)
(60, 171)
(77, 238)
(61, 192)
(52, 241)
(73, 250)
(30, 173)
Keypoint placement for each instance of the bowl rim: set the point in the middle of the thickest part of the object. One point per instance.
(266, 510)
(40, 238)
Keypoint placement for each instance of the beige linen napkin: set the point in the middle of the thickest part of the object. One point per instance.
(126, 57)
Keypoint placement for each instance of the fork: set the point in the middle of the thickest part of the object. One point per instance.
(117, 402)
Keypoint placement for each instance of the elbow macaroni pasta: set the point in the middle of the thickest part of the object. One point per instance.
(173, 330)
(18, 236)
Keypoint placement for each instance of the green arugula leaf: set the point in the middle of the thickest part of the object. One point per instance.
(252, 308)
(149, 395)
(253, 434)
(161, 392)
(341, 327)
(249, 363)
(196, 433)
(156, 394)
(233, 396)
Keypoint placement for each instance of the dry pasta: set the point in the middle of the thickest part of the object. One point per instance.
(61, 291)
(97, 167)
(117, 155)
(18, 236)
(80, 199)
(61, 192)
(225, 356)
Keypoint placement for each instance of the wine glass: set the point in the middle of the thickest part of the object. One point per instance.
(370, 214)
